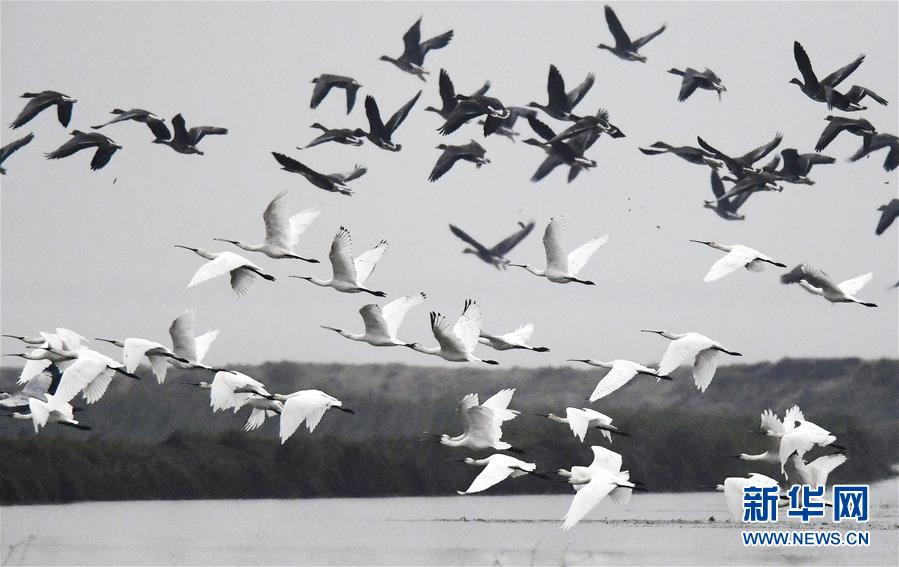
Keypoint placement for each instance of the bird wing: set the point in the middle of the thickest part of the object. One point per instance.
(300, 408)
(444, 163)
(499, 403)
(412, 44)
(579, 256)
(495, 472)
(678, 352)
(320, 91)
(481, 425)
(32, 108)
(854, 285)
(546, 167)
(805, 66)
(70, 339)
(75, 144)
(576, 94)
(375, 126)
(823, 466)
(97, 387)
(396, 310)
(341, 256)
(587, 497)
(555, 88)
(520, 335)
(300, 222)
(791, 416)
(241, 281)
(447, 340)
(717, 185)
(811, 275)
(158, 128)
(830, 132)
(447, 90)
(358, 171)
(284, 231)
(761, 151)
(31, 369)
(134, 350)
(375, 324)
(704, 368)
(840, 74)
(617, 377)
(11, 147)
(468, 326)
(78, 376)
(182, 333)
(64, 112)
(640, 42)
(401, 114)
(256, 419)
(737, 258)
(365, 263)
(800, 441)
(771, 423)
(294, 166)
(510, 242)
(435, 42)
(197, 133)
(556, 258)
(621, 37)
(605, 459)
(578, 421)
(38, 387)
(464, 236)
(887, 217)
(181, 136)
(540, 128)
(102, 156)
(687, 87)
(223, 264)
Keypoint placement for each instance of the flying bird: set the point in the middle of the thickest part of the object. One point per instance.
(154, 123)
(332, 182)
(448, 95)
(741, 165)
(796, 166)
(105, 148)
(307, 406)
(698, 156)
(889, 212)
(773, 429)
(802, 438)
(561, 104)
(413, 58)
(188, 347)
(10, 148)
(513, 340)
(185, 141)
(602, 478)
(345, 136)
(581, 420)
(241, 271)
(738, 256)
(472, 151)
(41, 413)
(382, 323)
(350, 274)
(38, 387)
(38, 102)
(472, 106)
(625, 48)
(558, 152)
(562, 268)
(482, 423)
(456, 343)
(817, 282)
(693, 79)
(497, 468)
(495, 256)
(812, 87)
(733, 491)
(622, 371)
(233, 390)
(880, 141)
(813, 474)
(506, 127)
(837, 124)
(702, 350)
(724, 206)
(381, 134)
(134, 350)
(324, 83)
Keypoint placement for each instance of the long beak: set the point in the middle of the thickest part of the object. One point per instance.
(650, 331)
(22, 338)
(111, 341)
(538, 414)
(346, 410)
(576, 360)
(454, 460)
(185, 247)
(699, 242)
(226, 240)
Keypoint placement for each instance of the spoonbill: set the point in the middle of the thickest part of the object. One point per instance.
(382, 323)
(738, 256)
(516, 339)
(43, 412)
(602, 478)
(233, 390)
(684, 346)
(734, 487)
(814, 473)
(482, 423)
(186, 346)
(241, 271)
(802, 438)
(350, 274)
(90, 373)
(559, 267)
(10, 148)
(261, 409)
(325, 82)
(773, 429)
(39, 359)
(621, 374)
(582, 419)
(305, 406)
(134, 350)
(497, 468)
(817, 282)
(625, 48)
(495, 256)
(282, 230)
(456, 344)
(414, 50)
(38, 387)
(38, 102)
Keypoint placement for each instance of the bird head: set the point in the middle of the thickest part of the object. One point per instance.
(441, 147)
(795, 81)
(658, 332)
(386, 58)
(604, 46)
(67, 98)
(473, 251)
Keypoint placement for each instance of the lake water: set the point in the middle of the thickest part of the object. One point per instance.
(667, 529)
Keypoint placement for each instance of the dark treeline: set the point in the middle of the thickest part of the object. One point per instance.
(163, 442)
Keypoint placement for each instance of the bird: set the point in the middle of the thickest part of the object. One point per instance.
(516, 339)
(738, 256)
(42, 413)
(241, 271)
(889, 212)
(345, 136)
(817, 282)
(10, 148)
(472, 106)
(333, 182)
(693, 79)
(185, 141)
(734, 487)
(350, 274)
(233, 390)
(594, 124)
(559, 267)
(876, 142)
(796, 166)
(812, 87)
(381, 134)
(506, 127)
(188, 347)
(38, 102)
(622, 371)
(42, 357)
(684, 346)
(773, 429)
(472, 151)
(580, 420)
(724, 206)
(624, 47)
(740, 165)
(83, 141)
(495, 256)
(305, 406)
(698, 156)
(849, 102)
(456, 344)
(154, 123)
(497, 468)
(602, 478)
(414, 50)
(382, 323)
(561, 104)
(134, 350)
(448, 95)
(325, 82)
(558, 152)
(482, 423)
(813, 474)
(90, 373)
(282, 230)
(38, 387)
(837, 124)
(802, 438)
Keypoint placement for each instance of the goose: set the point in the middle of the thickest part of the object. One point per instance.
(796, 166)
(345, 136)
(725, 207)
(282, 230)
(738, 256)
(448, 95)
(580, 420)
(332, 182)
(497, 468)
(348, 274)
(39, 387)
(382, 323)
(562, 268)
(306, 406)
(495, 256)
(380, 134)
(595, 124)
(506, 127)
(41, 413)
(325, 82)
(849, 102)
(513, 340)
(876, 142)
(889, 212)
(817, 282)
(734, 486)
(740, 165)
(752, 181)
(685, 346)
(482, 423)
(558, 152)
(10, 148)
(185, 141)
(83, 141)
(698, 156)
(561, 104)
(241, 271)
(38, 102)
(472, 151)
(154, 123)
(456, 344)
(812, 87)
(693, 79)
(134, 350)
(622, 371)
(470, 107)
(414, 50)
(813, 474)
(592, 484)
(837, 124)
(625, 48)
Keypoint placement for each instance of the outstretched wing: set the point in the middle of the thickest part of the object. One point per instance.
(854, 285)
(678, 352)
(579, 256)
(556, 258)
(621, 37)
(588, 497)
(412, 44)
(520, 335)
(617, 377)
(761, 151)
(396, 310)
(495, 472)
(401, 114)
(704, 368)
(805, 66)
(823, 466)
(840, 74)
(197, 133)
(729, 263)
(555, 88)
(464, 236)
(468, 325)
(365, 263)
(375, 125)
(223, 264)
(640, 42)
(341, 256)
(511, 241)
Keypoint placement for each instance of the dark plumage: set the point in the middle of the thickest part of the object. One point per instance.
(558, 153)
(448, 95)
(837, 124)
(82, 141)
(561, 104)
(413, 58)
(878, 142)
(625, 48)
(324, 84)
(471, 151)
(812, 87)
(38, 102)
(155, 123)
(494, 256)
(470, 107)
(333, 182)
(11, 148)
(185, 141)
(725, 207)
(693, 79)
(796, 166)
(698, 156)
(379, 133)
(597, 124)
(346, 136)
(889, 212)
(850, 101)
(737, 165)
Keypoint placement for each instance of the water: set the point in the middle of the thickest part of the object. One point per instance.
(656, 529)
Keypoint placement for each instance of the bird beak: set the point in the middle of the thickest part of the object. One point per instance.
(454, 460)
(575, 360)
(104, 340)
(699, 241)
(225, 240)
(185, 247)
(346, 410)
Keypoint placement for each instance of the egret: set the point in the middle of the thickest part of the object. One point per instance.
(241, 271)
(693, 79)
(813, 474)
(602, 478)
(456, 344)
(621, 373)
(382, 323)
(625, 48)
(516, 339)
(559, 267)
(325, 82)
(817, 282)
(703, 350)
(495, 256)
(734, 487)
(350, 274)
(738, 256)
(10, 148)
(50, 411)
(38, 102)
(580, 420)
(497, 468)
(414, 50)
(482, 423)
(308, 406)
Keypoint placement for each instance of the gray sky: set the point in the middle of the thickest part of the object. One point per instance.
(83, 253)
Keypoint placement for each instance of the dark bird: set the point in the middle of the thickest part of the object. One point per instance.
(796, 166)
(737, 165)
(413, 57)
(506, 126)
(837, 124)
(560, 103)
(333, 182)
(324, 84)
(471, 151)
(849, 102)
(752, 181)
(812, 87)
(693, 79)
(817, 282)
(624, 47)
(347, 136)
(495, 256)
(596, 124)
(448, 95)
(185, 141)
(155, 123)
(82, 141)
(558, 153)
(698, 156)
(10, 148)
(723, 206)
(379, 133)
(40, 101)
(889, 212)
(470, 107)
(878, 142)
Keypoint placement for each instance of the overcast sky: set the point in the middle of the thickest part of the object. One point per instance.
(81, 252)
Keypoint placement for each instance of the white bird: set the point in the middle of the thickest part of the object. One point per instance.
(733, 491)
(233, 390)
(50, 411)
(773, 429)
(90, 373)
(282, 231)
(348, 274)
(456, 344)
(516, 339)
(801, 438)
(817, 282)
(134, 350)
(382, 323)
(738, 256)
(40, 358)
(38, 387)
(582, 419)
(561, 267)
(602, 478)
(308, 406)
(497, 468)
(813, 474)
(702, 350)
(483, 423)
(621, 374)
(261, 409)
(188, 347)
(241, 271)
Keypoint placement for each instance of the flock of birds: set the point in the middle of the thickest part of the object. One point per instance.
(61, 364)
